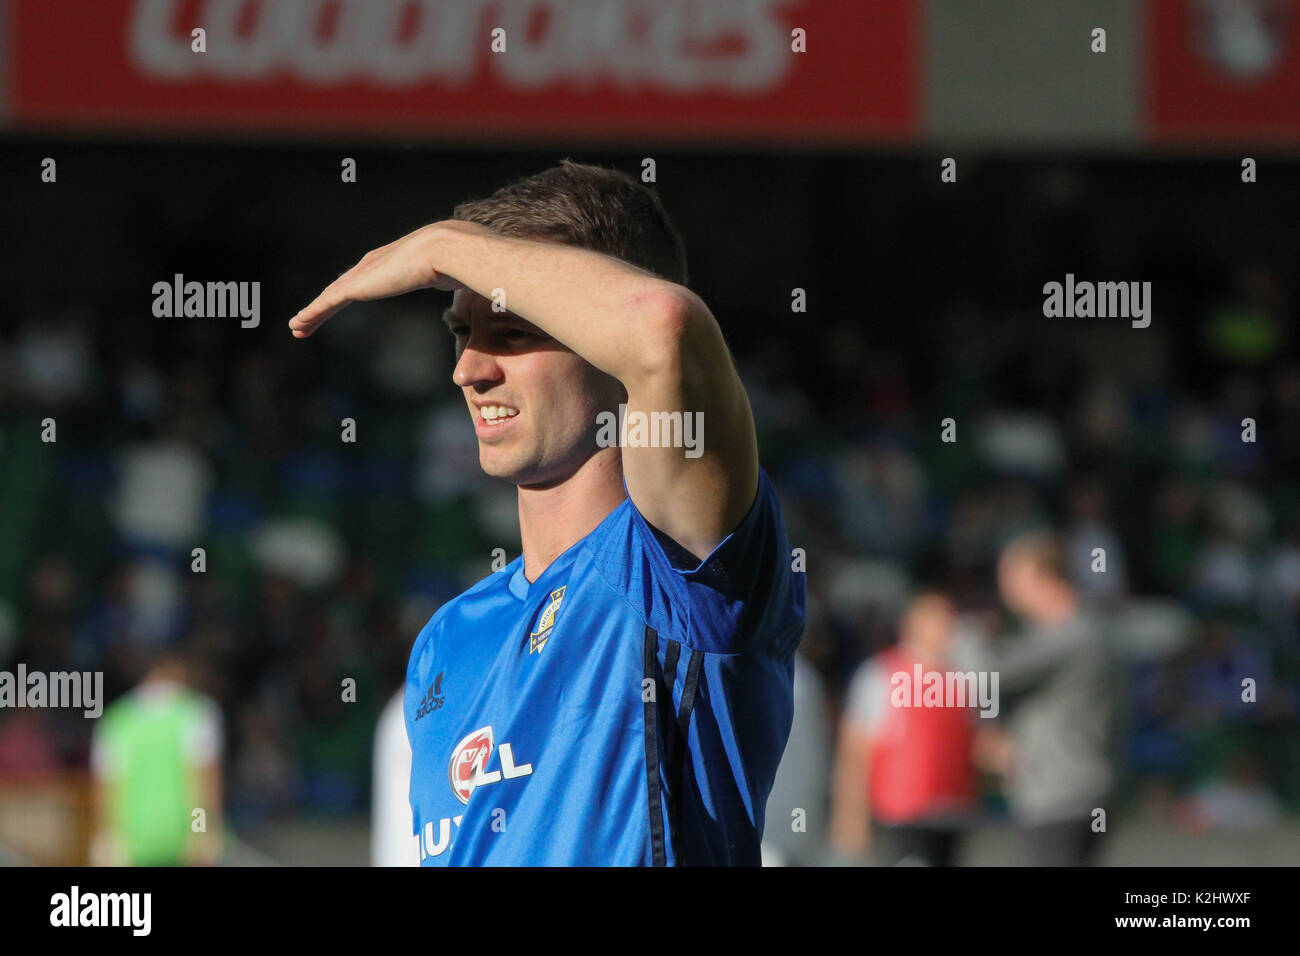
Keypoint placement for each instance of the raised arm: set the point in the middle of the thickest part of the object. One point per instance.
(657, 338)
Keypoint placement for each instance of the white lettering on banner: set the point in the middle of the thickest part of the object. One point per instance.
(683, 46)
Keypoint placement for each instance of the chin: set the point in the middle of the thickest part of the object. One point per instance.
(496, 464)
(495, 467)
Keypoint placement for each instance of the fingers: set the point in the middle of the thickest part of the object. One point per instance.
(379, 274)
(314, 315)
(332, 298)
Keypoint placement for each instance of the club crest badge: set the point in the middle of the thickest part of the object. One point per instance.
(546, 621)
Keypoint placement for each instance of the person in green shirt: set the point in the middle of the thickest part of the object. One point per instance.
(156, 763)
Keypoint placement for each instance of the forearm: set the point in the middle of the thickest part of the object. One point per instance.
(849, 810)
(848, 801)
(205, 845)
(623, 320)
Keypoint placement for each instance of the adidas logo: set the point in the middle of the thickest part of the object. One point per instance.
(433, 698)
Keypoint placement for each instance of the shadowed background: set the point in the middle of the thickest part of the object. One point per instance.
(924, 302)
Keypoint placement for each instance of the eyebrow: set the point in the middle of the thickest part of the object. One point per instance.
(450, 317)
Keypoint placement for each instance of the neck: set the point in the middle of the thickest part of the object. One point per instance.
(553, 518)
(921, 654)
(1060, 607)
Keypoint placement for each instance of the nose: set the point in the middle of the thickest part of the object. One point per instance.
(475, 367)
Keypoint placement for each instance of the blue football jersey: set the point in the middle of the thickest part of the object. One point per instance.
(628, 708)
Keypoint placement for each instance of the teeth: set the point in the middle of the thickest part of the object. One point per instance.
(494, 413)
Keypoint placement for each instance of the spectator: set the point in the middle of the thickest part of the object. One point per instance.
(904, 775)
(157, 761)
(1060, 770)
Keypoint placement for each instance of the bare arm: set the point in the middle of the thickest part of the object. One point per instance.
(205, 847)
(850, 830)
(101, 849)
(657, 338)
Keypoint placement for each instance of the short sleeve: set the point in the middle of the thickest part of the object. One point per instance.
(103, 756)
(746, 595)
(868, 696)
(204, 742)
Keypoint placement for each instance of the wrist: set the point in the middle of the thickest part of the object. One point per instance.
(439, 248)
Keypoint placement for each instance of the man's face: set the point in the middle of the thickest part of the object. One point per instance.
(927, 628)
(533, 402)
(1018, 580)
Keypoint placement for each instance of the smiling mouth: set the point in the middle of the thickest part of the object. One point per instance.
(496, 415)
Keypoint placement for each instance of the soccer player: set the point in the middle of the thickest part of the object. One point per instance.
(621, 693)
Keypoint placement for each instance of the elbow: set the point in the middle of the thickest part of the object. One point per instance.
(667, 319)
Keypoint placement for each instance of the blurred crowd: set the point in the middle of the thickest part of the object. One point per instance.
(1169, 475)
(906, 452)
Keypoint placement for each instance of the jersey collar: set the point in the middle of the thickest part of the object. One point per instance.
(518, 583)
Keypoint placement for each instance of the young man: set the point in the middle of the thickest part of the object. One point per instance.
(622, 692)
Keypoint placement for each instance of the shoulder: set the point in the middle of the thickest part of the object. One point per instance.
(112, 718)
(745, 593)
(627, 528)
(1082, 633)
(872, 682)
(195, 704)
(873, 674)
(484, 590)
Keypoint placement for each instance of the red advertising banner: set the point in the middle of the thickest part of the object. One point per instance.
(470, 69)
(1223, 70)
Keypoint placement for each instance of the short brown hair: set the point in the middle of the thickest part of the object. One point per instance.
(590, 207)
(1043, 550)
